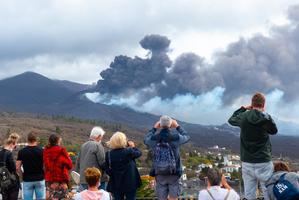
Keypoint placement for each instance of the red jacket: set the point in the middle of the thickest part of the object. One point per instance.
(57, 164)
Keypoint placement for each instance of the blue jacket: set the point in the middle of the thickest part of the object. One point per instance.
(121, 167)
(174, 139)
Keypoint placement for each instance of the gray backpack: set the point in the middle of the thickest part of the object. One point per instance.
(7, 180)
(164, 161)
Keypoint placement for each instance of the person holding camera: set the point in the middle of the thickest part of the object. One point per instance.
(164, 145)
(217, 187)
(256, 149)
(121, 167)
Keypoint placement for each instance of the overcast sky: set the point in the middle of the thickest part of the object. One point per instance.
(76, 39)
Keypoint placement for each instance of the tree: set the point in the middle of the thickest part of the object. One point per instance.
(58, 130)
(235, 175)
(43, 142)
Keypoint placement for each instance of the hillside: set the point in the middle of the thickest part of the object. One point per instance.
(42, 97)
(33, 93)
(29, 89)
(75, 131)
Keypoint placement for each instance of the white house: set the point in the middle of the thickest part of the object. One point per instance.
(226, 161)
(201, 166)
(184, 177)
(230, 168)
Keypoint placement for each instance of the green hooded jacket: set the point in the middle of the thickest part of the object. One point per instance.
(255, 129)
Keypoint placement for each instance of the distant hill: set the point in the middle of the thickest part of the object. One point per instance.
(29, 89)
(73, 86)
(33, 93)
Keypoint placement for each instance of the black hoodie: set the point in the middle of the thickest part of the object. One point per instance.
(255, 129)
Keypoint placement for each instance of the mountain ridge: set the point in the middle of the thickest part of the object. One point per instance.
(33, 93)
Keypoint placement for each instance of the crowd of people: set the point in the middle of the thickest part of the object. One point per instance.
(111, 172)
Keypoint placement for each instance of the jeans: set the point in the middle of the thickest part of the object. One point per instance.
(84, 186)
(252, 173)
(37, 187)
(122, 195)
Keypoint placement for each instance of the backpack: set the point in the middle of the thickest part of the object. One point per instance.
(7, 180)
(164, 162)
(284, 190)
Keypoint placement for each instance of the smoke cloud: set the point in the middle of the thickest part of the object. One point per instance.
(261, 63)
(127, 75)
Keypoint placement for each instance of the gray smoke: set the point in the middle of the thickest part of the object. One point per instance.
(189, 74)
(155, 43)
(258, 64)
(126, 75)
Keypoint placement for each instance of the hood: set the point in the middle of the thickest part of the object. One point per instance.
(90, 195)
(275, 177)
(166, 134)
(257, 117)
(53, 151)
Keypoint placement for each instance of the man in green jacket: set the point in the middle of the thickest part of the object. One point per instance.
(256, 151)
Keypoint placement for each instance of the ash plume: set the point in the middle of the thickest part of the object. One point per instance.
(125, 75)
(260, 63)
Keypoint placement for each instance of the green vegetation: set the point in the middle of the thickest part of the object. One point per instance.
(146, 190)
(193, 161)
(235, 175)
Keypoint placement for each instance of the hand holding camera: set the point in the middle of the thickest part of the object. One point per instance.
(157, 125)
(248, 107)
(131, 143)
(174, 124)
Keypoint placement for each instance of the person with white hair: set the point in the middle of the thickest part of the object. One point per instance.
(92, 154)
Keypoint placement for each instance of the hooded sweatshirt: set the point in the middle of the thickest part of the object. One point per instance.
(292, 177)
(255, 129)
(57, 164)
(93, 195)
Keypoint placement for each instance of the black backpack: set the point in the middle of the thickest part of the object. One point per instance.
(7, 179)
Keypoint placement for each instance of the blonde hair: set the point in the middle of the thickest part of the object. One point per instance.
(14, 136)
(9, 141)
(117, 141)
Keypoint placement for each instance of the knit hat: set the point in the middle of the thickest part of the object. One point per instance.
(165, 121)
